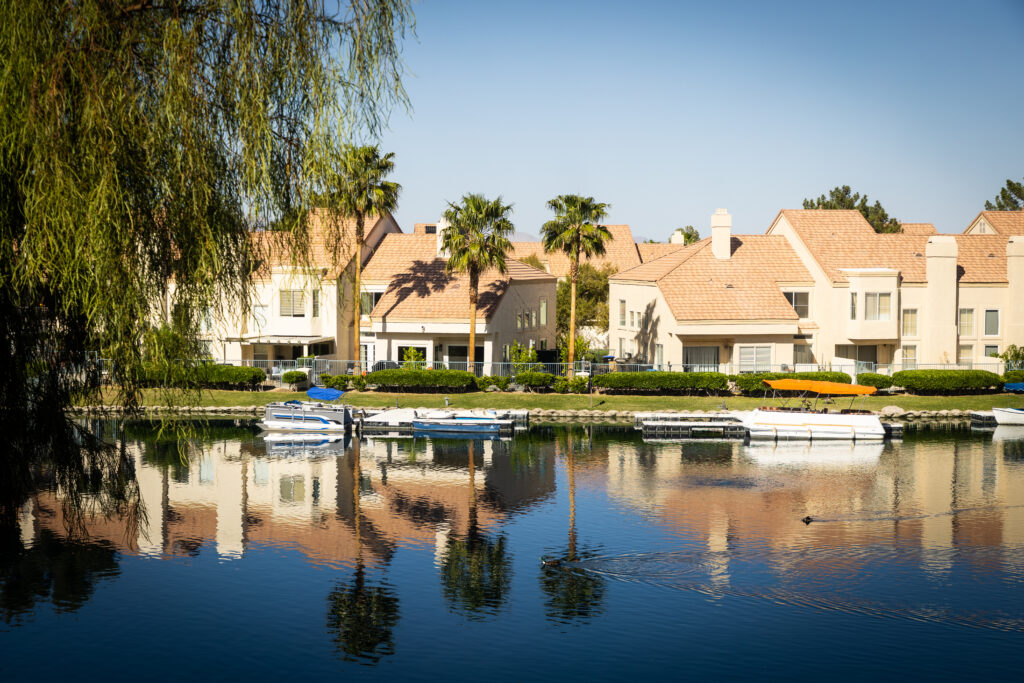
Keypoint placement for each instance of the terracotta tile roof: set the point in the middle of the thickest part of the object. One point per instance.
(697, 286)
(330, 248)
(1004, 222)
(620, 251)
(918, 228)
(420, 289)
(843, 239)
(649, 252)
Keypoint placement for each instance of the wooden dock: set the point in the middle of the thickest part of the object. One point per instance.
(690, 429)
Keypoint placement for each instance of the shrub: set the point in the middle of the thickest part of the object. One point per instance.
(662, 382)
(358, 383)
(579, 385)
(293, 377)
(873, 379)
(947, 381)
(753, 383)
(499, 381)
(1013, 376)
(205, 376)
(561, 385)
(535, 380)
(422, 380)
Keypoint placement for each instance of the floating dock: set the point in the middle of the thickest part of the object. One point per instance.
(398, 422)
(682, 429)
(983, 419)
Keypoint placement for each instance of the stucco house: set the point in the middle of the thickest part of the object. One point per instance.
(416, 304)
(821, 288)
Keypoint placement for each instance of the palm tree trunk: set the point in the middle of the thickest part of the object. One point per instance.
(474, 282)
(574, 270)
(356, 295)
(570, 466)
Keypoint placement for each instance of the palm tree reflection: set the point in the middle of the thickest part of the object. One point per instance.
(476, 571)
(361, 616)
(573, 594)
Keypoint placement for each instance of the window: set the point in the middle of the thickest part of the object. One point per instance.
(659, 354)
(519, 321)
(846, 351)
(543, 344)
(293, 303)
(622, 347)
(876, 305)
(430, 229)
(909, 357)
(800, 301)
(991, 351)
(991, 323)
(632, 319)
(755, 358)
(700, 358)
(367, 300)
(543, 312)
(802, 354)
(533, 318)
(622, 312)
(316, 303)
(909, 322)
(505, 353)
(853, 305)
(966, 327)
(965, 354)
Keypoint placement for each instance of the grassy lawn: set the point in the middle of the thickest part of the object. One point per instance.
(576, 402)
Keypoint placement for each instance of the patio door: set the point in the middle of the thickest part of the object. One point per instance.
(700, 358)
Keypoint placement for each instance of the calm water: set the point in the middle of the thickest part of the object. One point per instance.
(402, 558)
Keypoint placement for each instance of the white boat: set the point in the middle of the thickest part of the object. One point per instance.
(805, 422)
(306, 416)
(1008, 416)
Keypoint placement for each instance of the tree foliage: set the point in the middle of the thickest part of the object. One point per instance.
(1010, 198)
(690, 234)
(591, 299)
(139, 144)
(844, 198)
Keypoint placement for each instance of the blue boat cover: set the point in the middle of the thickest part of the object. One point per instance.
(1013, 386)
(324, 394)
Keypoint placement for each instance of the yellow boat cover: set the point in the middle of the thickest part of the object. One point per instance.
(819, 387)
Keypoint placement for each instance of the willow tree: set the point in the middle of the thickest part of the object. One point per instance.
(475, 239)
(361, 190)
(140, 142)
(576, 232)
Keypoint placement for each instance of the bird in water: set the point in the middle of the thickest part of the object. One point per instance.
(550, 562)
(807, 520)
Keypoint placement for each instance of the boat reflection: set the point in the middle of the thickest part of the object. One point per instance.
(827, 454)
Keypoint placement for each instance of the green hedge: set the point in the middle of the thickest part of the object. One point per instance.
(576, 385)
(535, 380)
(422, 380)
(499, 381)
(662, 382)
(339, 382)
(206, 376)
(873, 379)
(947, 381)
(1013, 376)
(293, 377)
(753, 383)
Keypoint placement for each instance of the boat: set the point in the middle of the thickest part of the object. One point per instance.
(306, 416)
(1009, 416)
(462, 424)
(805, 421)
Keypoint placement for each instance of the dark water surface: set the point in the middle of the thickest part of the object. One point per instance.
(395, 558)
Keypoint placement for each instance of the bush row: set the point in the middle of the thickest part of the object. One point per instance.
(753, 383)
(206, 376)
(873, 379)
(947, 381)
(662, 382)
(1013, 376)
(422, 380)
(576, 385)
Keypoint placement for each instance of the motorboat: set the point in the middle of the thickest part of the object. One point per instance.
(1009, 416)
(805, 421)
(306, 416)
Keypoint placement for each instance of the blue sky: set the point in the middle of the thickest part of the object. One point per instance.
(669, 110)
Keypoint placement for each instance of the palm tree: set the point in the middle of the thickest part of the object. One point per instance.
(477, 238)
(575, 231)
(362, 191)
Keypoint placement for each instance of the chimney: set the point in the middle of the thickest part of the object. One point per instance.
(939, 334)
(721, 234)
(1014, 324)
(442, 227)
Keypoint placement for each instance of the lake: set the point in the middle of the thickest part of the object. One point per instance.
(421, 559)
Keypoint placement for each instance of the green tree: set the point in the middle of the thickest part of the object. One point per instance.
(140, 142)
(844, 198)
(690, 234)
(1010, 198)
(532, 260)
(477, 238)
(591, 300)
(576, 232)
(361, 190)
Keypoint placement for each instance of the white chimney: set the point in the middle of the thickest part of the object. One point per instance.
(721, 234)
(442, 227)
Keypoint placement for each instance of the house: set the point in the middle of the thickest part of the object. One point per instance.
(302, 310)
(822, 288)
(417, 305)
